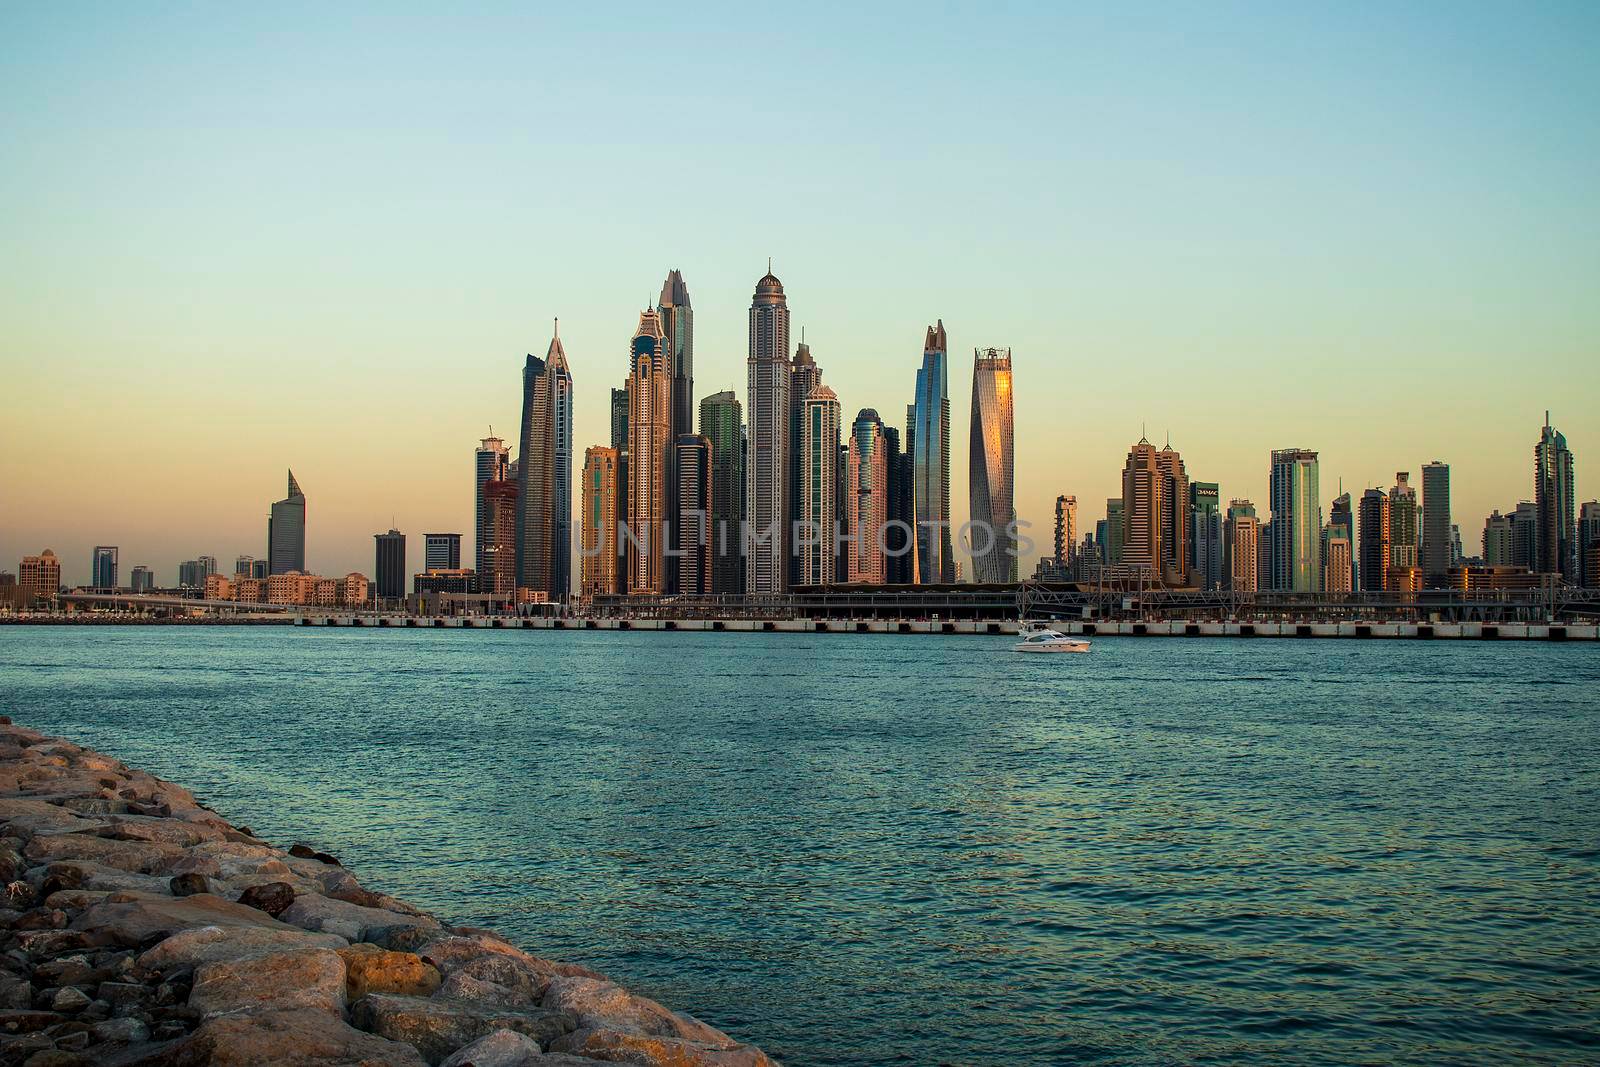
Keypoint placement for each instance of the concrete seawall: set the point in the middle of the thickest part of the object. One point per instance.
(141, 928)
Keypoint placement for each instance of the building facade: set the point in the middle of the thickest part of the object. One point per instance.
(1066, 539)
(804, 378)
(544, 474)
(499, 574)
(868, 507)
(818, 480)
(1497, 540)
(722, 424)
(103, 567)
(598, 558)
(1588, 540)
(1241, 540)
(40, 575)
(441, 551)
(286, 532)
(1405, 523)
(1206, 535)
(900, 535)
(490, 463)
(1436, 552)
(991, 468)
(766, 537)
(692, 464)
(928, 432)
(1296, 502)
(649, 457)
(1337, 566)
(1143, 506)
(1376, 536)
(1556, 547)
(389, 565)
(142, 579)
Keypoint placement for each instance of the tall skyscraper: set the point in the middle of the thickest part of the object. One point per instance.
(1206, 522)
(804, 378)
(1497, 540)
(619, 419)
(1588, 538)
(928, 430)
(286, 532)
(1337, 569)
(499, 575)
(489, 464)
(1115, 531)
(1525, 535)
(1436, 523)
(1241, 541)
(1557, 545)
(818, 481)
(1376, 538)
(1176, 532)
(544, 474)
(598, 564)
(677, 324)
(1066, 539)
(103, 569)
(649, 456)
(868, 507)
(692, 462)
(1143, 483)
(1405, 525)
(389, 565)
(1342, 514)
(1296, 502)
(991, 468)
(722, 423)
(900, 535)
(441, 552)
(767, 464)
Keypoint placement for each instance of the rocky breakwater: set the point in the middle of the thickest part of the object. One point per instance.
(139, 928)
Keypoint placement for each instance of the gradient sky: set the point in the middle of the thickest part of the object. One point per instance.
(235, 242)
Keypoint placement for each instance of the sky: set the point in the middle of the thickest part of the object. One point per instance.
(323, 237)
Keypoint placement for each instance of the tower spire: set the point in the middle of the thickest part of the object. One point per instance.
(558, 326)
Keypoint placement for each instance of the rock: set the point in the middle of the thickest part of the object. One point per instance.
(210, 944)
(132, 918)
(54, 1057)
(121, 1031)
(503, 1048)
(125, 998)
(26, 1021)
(462, 986)
(69, 999)
(370, 969)
(312, 979)
(281, 1038)
(607, 1006)
(140, 857)
(30, 818)
(19, 895)
(273, 898)
(188, 884)
(15, 991)
(171, 831)
(508, 971)
(41, 919)
(453, 951)
(618, 1047)
(305, 851)
(311, 911)
(437, 1027)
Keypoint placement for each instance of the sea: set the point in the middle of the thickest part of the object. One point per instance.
(917, 849)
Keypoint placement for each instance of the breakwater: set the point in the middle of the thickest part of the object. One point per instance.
(141, 928)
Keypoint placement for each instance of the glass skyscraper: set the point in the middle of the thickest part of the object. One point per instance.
(1296, 503)
(928, 431)
(286, 532)
(991, 468)
(767, 463)
(722, 423)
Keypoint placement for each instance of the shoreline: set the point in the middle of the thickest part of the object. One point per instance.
(141, 928)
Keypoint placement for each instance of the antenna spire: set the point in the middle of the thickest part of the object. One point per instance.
(558, 327)
(769, 271)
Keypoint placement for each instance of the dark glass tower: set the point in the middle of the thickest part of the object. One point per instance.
(722, 424)
(389, 570)
(286, 532)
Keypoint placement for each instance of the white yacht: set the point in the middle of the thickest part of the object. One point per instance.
(1036, 638)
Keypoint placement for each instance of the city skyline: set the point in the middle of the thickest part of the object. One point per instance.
(1361, 223)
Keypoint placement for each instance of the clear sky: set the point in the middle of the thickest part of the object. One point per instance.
(323, 237)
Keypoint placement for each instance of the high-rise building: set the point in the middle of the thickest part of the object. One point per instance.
(1588, 538)
(991, 468)
(767, 463)
(192, 573)
(244, 565)
(1342, 513)
(677, 324)
(286, 532)
(619, 419)
(1497, 540)
(389, 566)
(692, 462)
(1525, 535)
(544, 474)
(142, 579)
(818, 481)
(1206, 522)
(1066, 540)
(900, 534)
(1296, 502)
(1241, 537)
(261, 570)
(103, 569)
(599, 529)
(928, 441)
(1405, 524)
(40, 575)
(499, 575)
(868, 508)
(1143, 483)
(1376, 540)
(489, 464)
(722, 423)
(1557, 545)
(1336, 565)
(1115, 532)
(1436, 551)
(1177, 536)
(649, 456)
(441, 552)
(804, 378)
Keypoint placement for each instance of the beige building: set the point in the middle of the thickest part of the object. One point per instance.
(218, 587)
(867, 500)
(598, 532)
(499, 577)
(40, 575)
(649, 441)
(1241, 546)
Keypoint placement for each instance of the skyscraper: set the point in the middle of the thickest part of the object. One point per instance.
(103, 571)
(619, 419)
(804, 377)
(991, 468)
(767, 464)
(1436, 522)
(1143, 483)
(1115, 532)
(928, 430)
(1557, 545)
(1342, 514)
(900, 535)
(1525, 535)
(1296, 502)
(389, 565)
(598, 564)
(818, 481)
(142, 579)
(868, 507)
(1066, 539)
(1336, 564)
(722, 423)
(677, 326)
(1497, 540)
(544, 474)
(649, 456)
(1205, 522)
(1241, 540)
(40, 575)
(441, 552)
(499, 575)
(1176, 533)
(692, 463)
(1405, 527)
(489, 464)
(286, 532)
(1376, 537)
(1588, 538)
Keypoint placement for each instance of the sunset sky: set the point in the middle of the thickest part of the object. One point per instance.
(235, 242)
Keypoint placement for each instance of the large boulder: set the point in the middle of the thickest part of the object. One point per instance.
(437, 1027)
(169, 831)
(141, 857)
(29, 818)
(209, 944)
(617, 1047)
(306, 1038)
(523, 976)
(607, 1006)
(312, 911)
(370, 969)
(283, 981)
(503, 1048)
(132, 918)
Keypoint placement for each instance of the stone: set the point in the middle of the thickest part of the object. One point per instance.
(370, 969)
(311, 979)
(55, 1057)
(188, 884)
(273, 898)
(26, 1021)
(508, 971)
(132, 918)
(311, 911)
(650, 1051)
(453, 951)
(437, 1027)
(211, 944)
(69, 999)
(463, 986)
(121, 1031)
(503, 1048)
(171, 831)
(305, 851)
(607, 1006)
(125, 998)
(140, 857)
(273, 1039)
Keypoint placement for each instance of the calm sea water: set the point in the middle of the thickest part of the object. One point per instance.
(884, 849)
